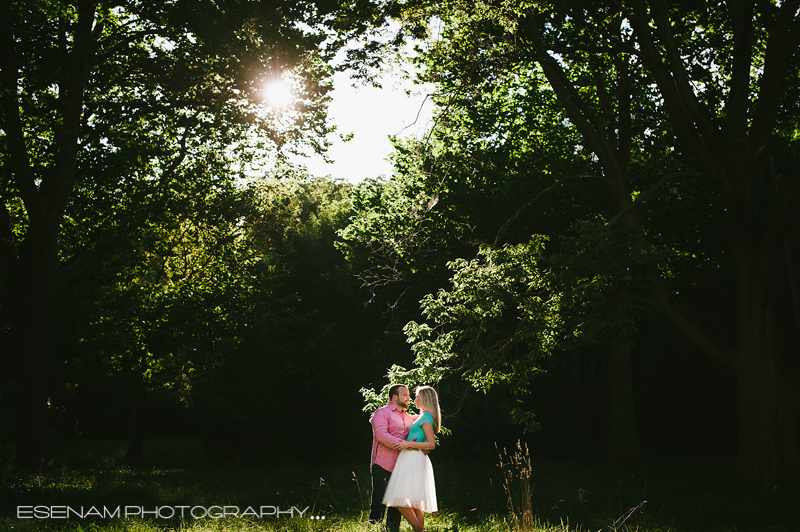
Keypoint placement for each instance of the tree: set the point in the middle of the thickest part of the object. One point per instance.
(102, 105)
(501, 136)
(306, 341)
(169, 300)
(681, 99)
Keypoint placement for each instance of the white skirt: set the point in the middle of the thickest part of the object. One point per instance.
(411, 483)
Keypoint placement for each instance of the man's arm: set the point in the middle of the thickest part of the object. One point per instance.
(380, 429)
(428, 445)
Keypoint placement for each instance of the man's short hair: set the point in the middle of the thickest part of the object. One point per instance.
(393, 390)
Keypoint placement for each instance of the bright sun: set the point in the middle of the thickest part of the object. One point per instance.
(278, 94)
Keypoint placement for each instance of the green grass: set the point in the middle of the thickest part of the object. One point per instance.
(567, 496)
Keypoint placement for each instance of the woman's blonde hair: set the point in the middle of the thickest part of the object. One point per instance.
(428, 400)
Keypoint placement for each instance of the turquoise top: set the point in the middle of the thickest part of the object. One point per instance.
(416, 428)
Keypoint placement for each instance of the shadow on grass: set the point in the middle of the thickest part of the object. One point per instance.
(656, 497)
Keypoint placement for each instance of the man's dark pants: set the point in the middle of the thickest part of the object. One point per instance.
(380, 477)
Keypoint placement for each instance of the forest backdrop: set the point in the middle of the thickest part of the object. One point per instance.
(594, 247)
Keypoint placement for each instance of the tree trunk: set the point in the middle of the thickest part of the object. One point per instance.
(788, 429)
(623, 432)
(135, 453)
(767, 433)
(40, 275)
(623, 435)
(45, 196)
(757, 460)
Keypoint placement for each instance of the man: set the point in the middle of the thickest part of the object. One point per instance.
(390, 426)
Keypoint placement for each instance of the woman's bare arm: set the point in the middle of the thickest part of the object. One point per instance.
(427, 428)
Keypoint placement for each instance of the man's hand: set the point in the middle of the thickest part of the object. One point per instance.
(405, 444)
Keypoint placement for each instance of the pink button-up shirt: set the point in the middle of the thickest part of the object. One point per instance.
(389, 426)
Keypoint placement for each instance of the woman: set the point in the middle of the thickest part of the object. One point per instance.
(411, 487)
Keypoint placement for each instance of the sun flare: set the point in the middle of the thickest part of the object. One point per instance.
(278, 94)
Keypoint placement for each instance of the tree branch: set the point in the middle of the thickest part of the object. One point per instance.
(649, 192)
(619, 48)
(56, 188)
(577, 111)
(683, 86)
(624, 125)
(723, 357)
(455, 412)
(101, 131)
(8, 251)
(590, 126)
(504, 229)
(175, 164)
(677, 113)
(78, 277)
(783, 44)
(12, 122)
(741, 17)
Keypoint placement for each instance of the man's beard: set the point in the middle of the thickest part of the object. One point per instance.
(403, 405)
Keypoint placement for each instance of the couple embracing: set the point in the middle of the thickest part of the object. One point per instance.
(402, 475)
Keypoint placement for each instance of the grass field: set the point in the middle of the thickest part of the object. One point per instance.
(566, 496)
